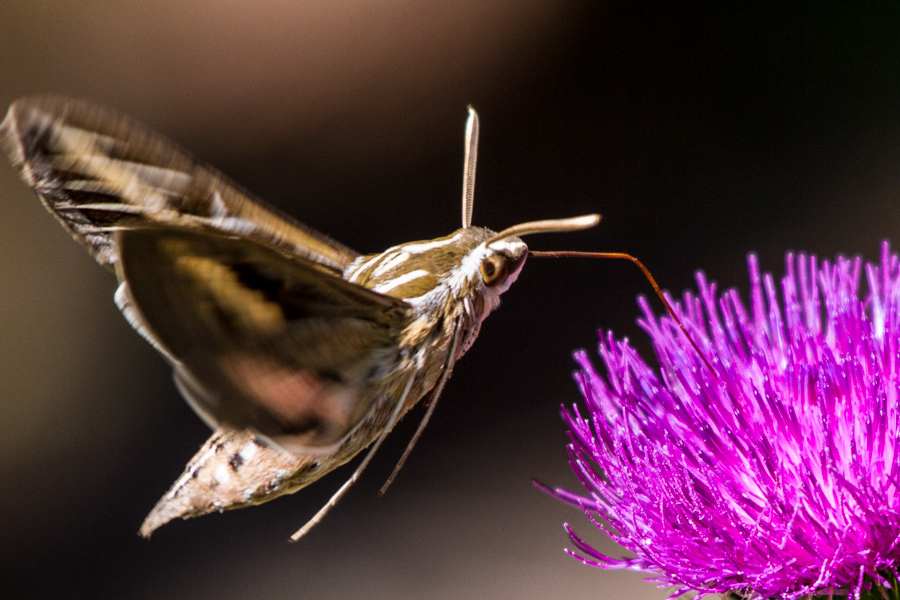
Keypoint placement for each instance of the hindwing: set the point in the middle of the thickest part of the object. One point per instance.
(260, 339)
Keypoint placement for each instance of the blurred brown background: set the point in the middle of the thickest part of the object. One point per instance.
(700, 134)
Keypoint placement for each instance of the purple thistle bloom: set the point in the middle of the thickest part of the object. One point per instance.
(776, 477)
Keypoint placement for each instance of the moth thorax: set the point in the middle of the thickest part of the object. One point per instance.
(415, 270)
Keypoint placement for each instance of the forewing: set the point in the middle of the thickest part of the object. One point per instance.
(259, 339)
(99, 172)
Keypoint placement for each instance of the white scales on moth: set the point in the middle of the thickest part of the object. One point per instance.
(298, 351)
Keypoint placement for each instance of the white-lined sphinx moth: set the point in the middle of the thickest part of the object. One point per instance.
(298, 351)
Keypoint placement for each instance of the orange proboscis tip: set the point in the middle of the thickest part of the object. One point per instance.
(577, 254)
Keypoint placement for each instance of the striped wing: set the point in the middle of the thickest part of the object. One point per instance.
(99, 172)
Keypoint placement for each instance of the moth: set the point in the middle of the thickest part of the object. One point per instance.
(298, 351)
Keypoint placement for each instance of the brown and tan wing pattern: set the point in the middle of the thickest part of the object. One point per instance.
(259, 339)
(99, 172)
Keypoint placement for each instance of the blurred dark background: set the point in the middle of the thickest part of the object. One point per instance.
(701, 134)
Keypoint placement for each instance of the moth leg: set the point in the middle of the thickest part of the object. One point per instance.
(432, 402)
(392, 420)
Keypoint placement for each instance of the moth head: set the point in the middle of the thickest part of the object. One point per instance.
(503, 254)
(500, 262)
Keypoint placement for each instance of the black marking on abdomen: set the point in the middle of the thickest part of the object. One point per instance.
(236, 461)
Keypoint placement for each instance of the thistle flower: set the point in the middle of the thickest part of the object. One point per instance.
(774, 474)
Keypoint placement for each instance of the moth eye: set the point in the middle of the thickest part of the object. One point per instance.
(493, 270)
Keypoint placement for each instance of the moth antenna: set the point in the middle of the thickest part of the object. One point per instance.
(468, 198)
(392, 420)
(432, 402)
(575, 254)
(546, 226)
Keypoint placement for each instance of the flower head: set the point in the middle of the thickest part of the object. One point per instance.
(775, 474)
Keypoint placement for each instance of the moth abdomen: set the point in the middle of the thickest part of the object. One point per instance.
(277, 334)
